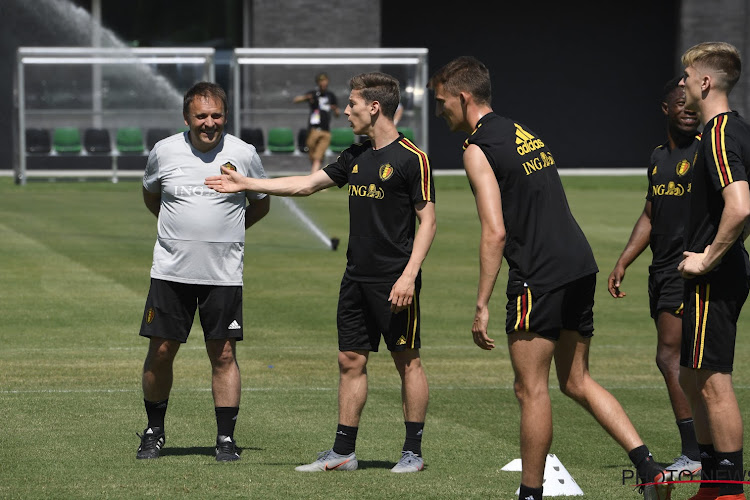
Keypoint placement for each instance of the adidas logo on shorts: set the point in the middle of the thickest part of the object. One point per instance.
(234, 325)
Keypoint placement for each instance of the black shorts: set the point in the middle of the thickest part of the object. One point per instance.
(666, 290)
(170, 309)
(709, 326)
(569, 307)
(364, 314)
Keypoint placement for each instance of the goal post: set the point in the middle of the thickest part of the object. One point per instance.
(265, 81)
(76, 89)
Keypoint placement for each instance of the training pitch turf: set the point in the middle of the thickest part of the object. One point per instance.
(74, 273)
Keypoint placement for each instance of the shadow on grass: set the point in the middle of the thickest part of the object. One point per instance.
(377, 464)
(363, 464)
(209, 451)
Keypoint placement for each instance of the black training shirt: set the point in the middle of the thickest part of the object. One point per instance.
(669, 184)
(545, 248)
(384, 186)
(723, 158)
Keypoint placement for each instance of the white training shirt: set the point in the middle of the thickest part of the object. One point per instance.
(201, 233)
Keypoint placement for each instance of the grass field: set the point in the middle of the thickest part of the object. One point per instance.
(75, 260)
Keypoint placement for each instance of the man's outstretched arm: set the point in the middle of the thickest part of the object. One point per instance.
(231, 181)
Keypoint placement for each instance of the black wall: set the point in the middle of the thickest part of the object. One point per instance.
(586, 76)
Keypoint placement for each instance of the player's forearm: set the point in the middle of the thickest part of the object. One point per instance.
(281, 186)
(734, 216)
(638, 241)
(491, 249)
(731, 226)
(422, 243)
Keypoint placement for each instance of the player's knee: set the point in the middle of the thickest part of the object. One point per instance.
(666, 360)
(408, 359)
(161, 351)
(574, 389)
(221, 354)
(351, 362)
(529, 392)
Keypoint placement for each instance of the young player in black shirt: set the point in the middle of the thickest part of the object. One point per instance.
(524, 216)
(661, 225)
(715, 265)
(390, 186)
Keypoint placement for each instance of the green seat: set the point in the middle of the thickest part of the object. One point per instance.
(67, 140)
(130, 140)
(408, 132)
(281, 140)
(341, 138)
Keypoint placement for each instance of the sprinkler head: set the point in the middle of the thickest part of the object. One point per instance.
(334, 243)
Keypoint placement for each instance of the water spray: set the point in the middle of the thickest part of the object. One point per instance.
(332, 243)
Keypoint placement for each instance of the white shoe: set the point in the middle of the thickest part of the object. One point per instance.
(330, 460)
(683, 463)
(409, 463)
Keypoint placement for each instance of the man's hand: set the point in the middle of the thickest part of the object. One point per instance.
(229, 182)
(692, 264)
(402, 294)
(615, 280)
(479, 329)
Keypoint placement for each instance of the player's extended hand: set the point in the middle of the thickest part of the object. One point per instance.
(402, 294)
(615, 280)
(479, 330)
(693, 264)
(229, 182)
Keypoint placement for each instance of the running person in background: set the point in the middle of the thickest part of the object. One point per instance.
(524, 217)
(716, 266)
(322, 103)
(390, 187)
(198, 261)
(662, 225)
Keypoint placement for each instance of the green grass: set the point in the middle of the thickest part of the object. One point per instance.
(74, 273)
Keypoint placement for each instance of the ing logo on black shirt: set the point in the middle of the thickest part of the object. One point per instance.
(362, 191)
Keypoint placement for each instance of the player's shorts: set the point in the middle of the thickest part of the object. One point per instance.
(317, 143)
(666, 290)
(569, 307)
(364, 314)
(709, 325)
(170, 309)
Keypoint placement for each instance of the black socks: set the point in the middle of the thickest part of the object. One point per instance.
(644, 463)
(155, 411)
(346, 439)
(526, 493)
(687, 437)
(413, 441)
(226, 418)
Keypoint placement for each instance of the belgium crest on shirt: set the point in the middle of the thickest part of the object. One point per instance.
(683, 167)
(229, 166)
(385, 172)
